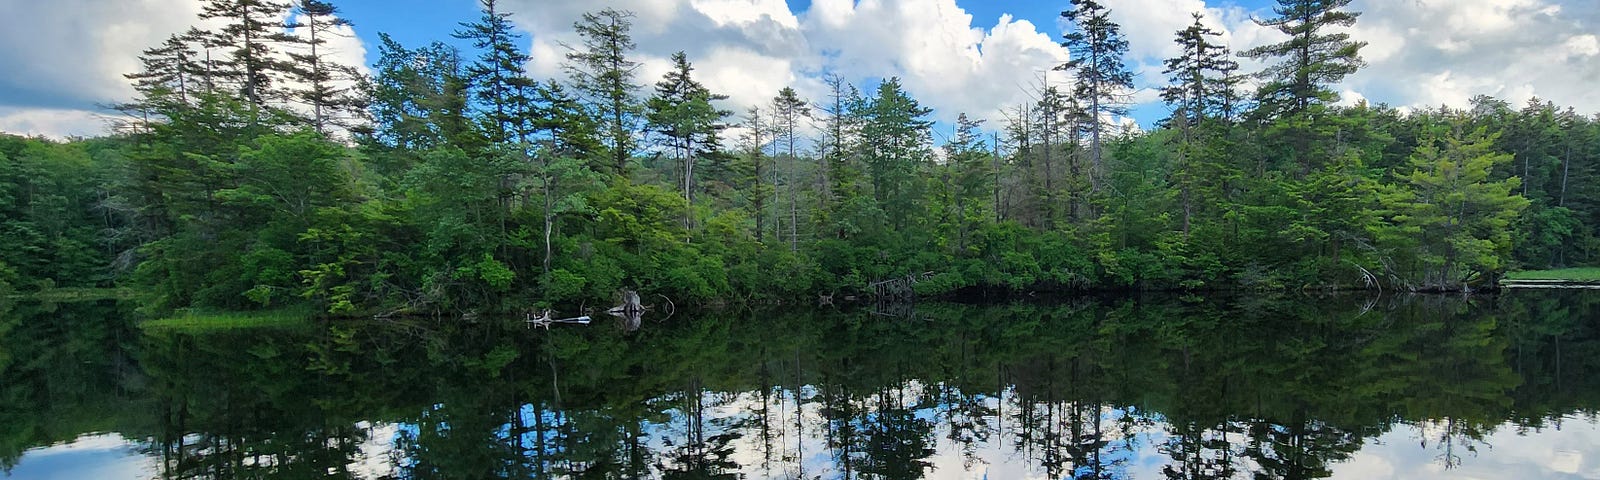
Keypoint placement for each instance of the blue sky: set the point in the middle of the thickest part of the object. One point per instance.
(978, 57)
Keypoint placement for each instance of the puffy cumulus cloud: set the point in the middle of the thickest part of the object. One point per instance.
(942, 59)
(1444, 52)
(1420, 53)
(78, 51)
(73, 53)
(750, 49)
(55, 122)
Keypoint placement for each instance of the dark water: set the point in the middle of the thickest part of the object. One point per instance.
(1158, 387)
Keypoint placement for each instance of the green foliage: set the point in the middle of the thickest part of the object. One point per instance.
(476, 189)
(1458, 217)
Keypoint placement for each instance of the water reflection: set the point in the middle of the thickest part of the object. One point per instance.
(1247, 387)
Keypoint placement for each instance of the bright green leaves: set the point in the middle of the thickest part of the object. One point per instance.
(1460, 217)
(493, 273)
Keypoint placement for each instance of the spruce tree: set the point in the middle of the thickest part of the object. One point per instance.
(499, 82)
(1201, 89)
(682, 113)
(603, 74)
(327, 87)
(1103, 81)
(1202, 76)
(899, 146)
(249, 36)
(787, 110)
(1309, 63)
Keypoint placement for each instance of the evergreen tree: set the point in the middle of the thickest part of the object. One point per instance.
(787, 110)
(165, 78)
(1201, 89)
(682, 113)
(1450, 214)
(971, 176)
(328, 86)
(1309, 63)
(500, 83)
(1201, 77)
(1311, 60)
(1103, 81)
(898, 150)
(248, 36)
(1055, 128)
(841, 124)
(753, 145)
(563, 162)
(602, 72)
(418, 101)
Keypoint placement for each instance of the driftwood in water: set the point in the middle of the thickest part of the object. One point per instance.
(545, 320)
(898, 289)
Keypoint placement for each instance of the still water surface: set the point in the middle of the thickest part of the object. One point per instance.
(1149, 387)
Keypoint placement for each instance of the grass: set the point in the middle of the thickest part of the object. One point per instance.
(77, 294)
(1581, 274)
(207, 320)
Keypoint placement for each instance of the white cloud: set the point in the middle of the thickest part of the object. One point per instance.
(750, 49)
(77, 52)
(942, 59)
(1583, 45)
(74, 52)
(1512, 49)
(55, 123)
(1421, 52)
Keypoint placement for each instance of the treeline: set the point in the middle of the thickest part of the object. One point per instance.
(259, 173)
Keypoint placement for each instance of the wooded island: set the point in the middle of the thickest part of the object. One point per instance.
(256, 173)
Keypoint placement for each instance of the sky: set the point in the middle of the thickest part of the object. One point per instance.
(977, 57)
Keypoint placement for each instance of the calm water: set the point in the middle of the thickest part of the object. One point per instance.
(1155, 387)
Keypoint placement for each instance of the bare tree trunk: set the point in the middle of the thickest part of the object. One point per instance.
(1566, 165)
(549, 220)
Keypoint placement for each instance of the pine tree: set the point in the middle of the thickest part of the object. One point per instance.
(1311, 60)
(1202, 77)
(841, 124)
(898, 149)
(248, 37)
(328, 86)
(1201, 89)
(602, 72)
(787, 110)
(681, 111)
(1309, 63)
(1103, 81)
(971, 176)
(1455, 217)
(165, 79)
(753, 143)
(500, 83)
(418, 99)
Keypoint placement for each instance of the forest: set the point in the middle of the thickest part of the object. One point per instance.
(254, 172)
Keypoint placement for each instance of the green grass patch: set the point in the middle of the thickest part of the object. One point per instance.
(1581, 274)
(209, 320)
(77, 294)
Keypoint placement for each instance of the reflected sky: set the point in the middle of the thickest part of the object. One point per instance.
(1159, 388)
(1564, 452)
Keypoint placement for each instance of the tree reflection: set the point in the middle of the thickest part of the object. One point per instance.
(1217, 388)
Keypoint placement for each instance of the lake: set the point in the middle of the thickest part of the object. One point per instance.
(1203, 386)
